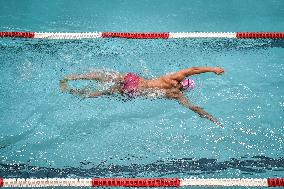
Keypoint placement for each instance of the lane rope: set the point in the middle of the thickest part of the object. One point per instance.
(143, 35)
(140, 182)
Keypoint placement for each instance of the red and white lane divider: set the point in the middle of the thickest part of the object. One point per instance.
(144, 35)
(140, 182)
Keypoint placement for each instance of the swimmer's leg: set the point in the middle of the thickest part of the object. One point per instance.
(97, 75)
(101, 76)
(87, 93)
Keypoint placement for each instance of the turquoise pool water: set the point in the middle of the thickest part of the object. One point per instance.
(45, 133)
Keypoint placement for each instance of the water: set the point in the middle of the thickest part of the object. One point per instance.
(45, 133)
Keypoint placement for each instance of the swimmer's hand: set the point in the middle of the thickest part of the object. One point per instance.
(218, 71)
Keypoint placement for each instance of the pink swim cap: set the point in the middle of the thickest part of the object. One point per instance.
(187, 84)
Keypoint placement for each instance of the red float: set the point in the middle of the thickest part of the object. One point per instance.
(271, 35)
(1, 182)
(18, 34)
(275, 182)
(136, 182)
(152, 35)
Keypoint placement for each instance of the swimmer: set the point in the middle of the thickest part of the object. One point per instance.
(171, 86)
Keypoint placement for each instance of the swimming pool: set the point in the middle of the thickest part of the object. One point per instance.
(45, 133)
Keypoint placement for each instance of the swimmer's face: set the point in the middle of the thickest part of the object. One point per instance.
(181, 87)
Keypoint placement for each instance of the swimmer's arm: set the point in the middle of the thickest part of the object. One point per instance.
(183, 101)
(180, 75)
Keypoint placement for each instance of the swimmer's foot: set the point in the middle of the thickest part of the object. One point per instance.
(63, 85)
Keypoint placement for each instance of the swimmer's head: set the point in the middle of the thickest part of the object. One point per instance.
(187, 84)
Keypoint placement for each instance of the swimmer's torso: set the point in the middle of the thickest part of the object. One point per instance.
(158, 88)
